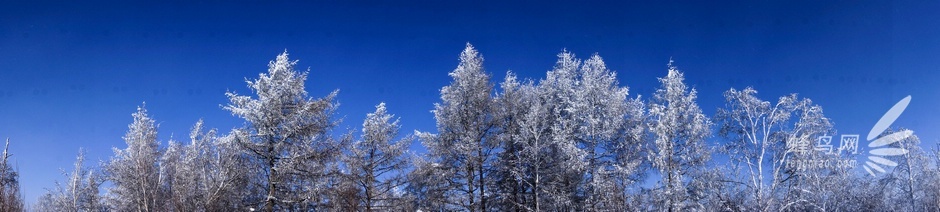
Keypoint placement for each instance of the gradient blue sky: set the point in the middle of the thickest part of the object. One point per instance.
(72, 73)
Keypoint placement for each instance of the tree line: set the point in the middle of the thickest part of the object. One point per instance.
(575, 140)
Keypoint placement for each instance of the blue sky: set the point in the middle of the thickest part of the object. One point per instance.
(72, 73)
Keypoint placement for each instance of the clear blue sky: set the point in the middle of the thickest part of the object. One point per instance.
(72, 73)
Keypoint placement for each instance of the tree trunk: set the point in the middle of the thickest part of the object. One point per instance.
(480, 170)
(269, 202)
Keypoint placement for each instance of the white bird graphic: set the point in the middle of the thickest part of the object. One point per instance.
(879, 128)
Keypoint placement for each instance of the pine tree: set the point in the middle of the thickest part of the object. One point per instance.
(511, 108)
(679, 151)
(377, 162)
(134, 171)
(288, 133)
(602, 109)
(564, 158)
(465, 122)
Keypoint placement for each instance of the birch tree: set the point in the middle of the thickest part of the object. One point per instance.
(809, 125)
(757, 133)
(81, 191)
(539, 169)
(10, 197)
(912, 182)
(204, 175)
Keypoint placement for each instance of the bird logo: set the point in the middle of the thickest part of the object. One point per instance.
(879, 145)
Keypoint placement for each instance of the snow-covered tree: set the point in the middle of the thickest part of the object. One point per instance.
(429, 185)
(569, 142)
(912, 184)
(10, 197)
(606, 123)
(465, 123)
(809, 125)
(538, 169)
(679, 151)
(377, 162)
(231, 176)
(757, 133)
(134, 171)
(558, 97)
(174, 178)
(573, 141)
(288, 133)
(629, 165)
(510, 109)
(201, 175)
(79, 193)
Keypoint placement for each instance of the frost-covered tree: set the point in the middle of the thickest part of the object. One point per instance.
(429, 185)
(757, 134)
(679, 151)
(202, 175)
(810, 123)
(570, 142)
(539, 169)
(377, 162)
(10, 197)
(79, 193)
(510, 109)
(573, 141)
(558, 98)
(465, 123)
(608, 130)
(174, 183)
(135, 171)
(288, 133)
(231, 182)
(629, 165)
(913, 182)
